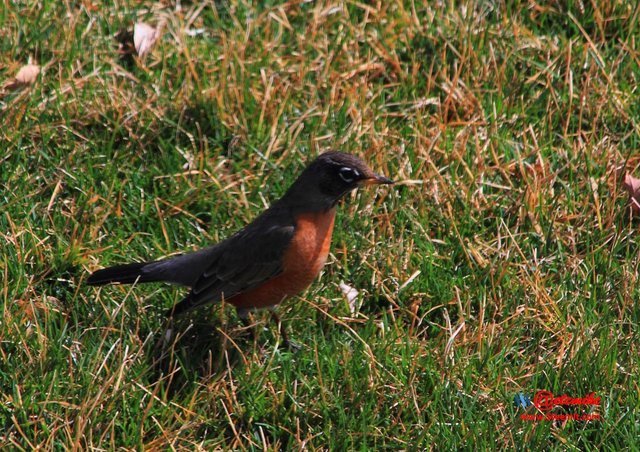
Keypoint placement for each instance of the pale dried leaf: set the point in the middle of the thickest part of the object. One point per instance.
(632, 185)
(27, 75)
(193, 32)
(351, 294)
(144, 38)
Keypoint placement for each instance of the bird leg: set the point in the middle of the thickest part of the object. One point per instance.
(289, 345)
(244, 315)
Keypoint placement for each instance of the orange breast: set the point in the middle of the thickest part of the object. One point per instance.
(303, 260)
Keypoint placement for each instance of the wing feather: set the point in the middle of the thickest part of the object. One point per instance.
(242, 262)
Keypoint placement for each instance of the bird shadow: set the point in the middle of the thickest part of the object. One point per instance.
(187, 351)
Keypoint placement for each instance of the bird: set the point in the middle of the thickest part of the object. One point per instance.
(276, 256)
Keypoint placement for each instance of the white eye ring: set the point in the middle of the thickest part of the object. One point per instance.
(348, 174)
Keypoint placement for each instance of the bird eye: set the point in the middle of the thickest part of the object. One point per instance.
(348, 174)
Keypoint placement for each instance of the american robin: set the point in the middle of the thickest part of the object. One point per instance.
(274, 257)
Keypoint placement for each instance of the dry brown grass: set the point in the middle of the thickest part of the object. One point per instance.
(504, 262)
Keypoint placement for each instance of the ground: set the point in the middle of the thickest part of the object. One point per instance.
(503, 263)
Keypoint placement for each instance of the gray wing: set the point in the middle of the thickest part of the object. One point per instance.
(240, 263)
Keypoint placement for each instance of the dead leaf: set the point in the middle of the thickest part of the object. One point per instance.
(27, 75)
(632, 186)
(144, 38)
(351, 295)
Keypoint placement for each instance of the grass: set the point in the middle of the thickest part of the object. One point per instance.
(505, 261)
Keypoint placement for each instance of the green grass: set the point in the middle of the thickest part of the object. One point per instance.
(509, 129)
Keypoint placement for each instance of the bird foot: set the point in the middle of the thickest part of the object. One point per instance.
(292, 346)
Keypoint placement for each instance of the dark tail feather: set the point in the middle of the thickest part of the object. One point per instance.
(124, 274)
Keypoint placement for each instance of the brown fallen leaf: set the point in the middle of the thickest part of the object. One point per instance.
(632, 185)
(144, 38)
(27, 75)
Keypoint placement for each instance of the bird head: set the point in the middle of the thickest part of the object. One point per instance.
(331, 176)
